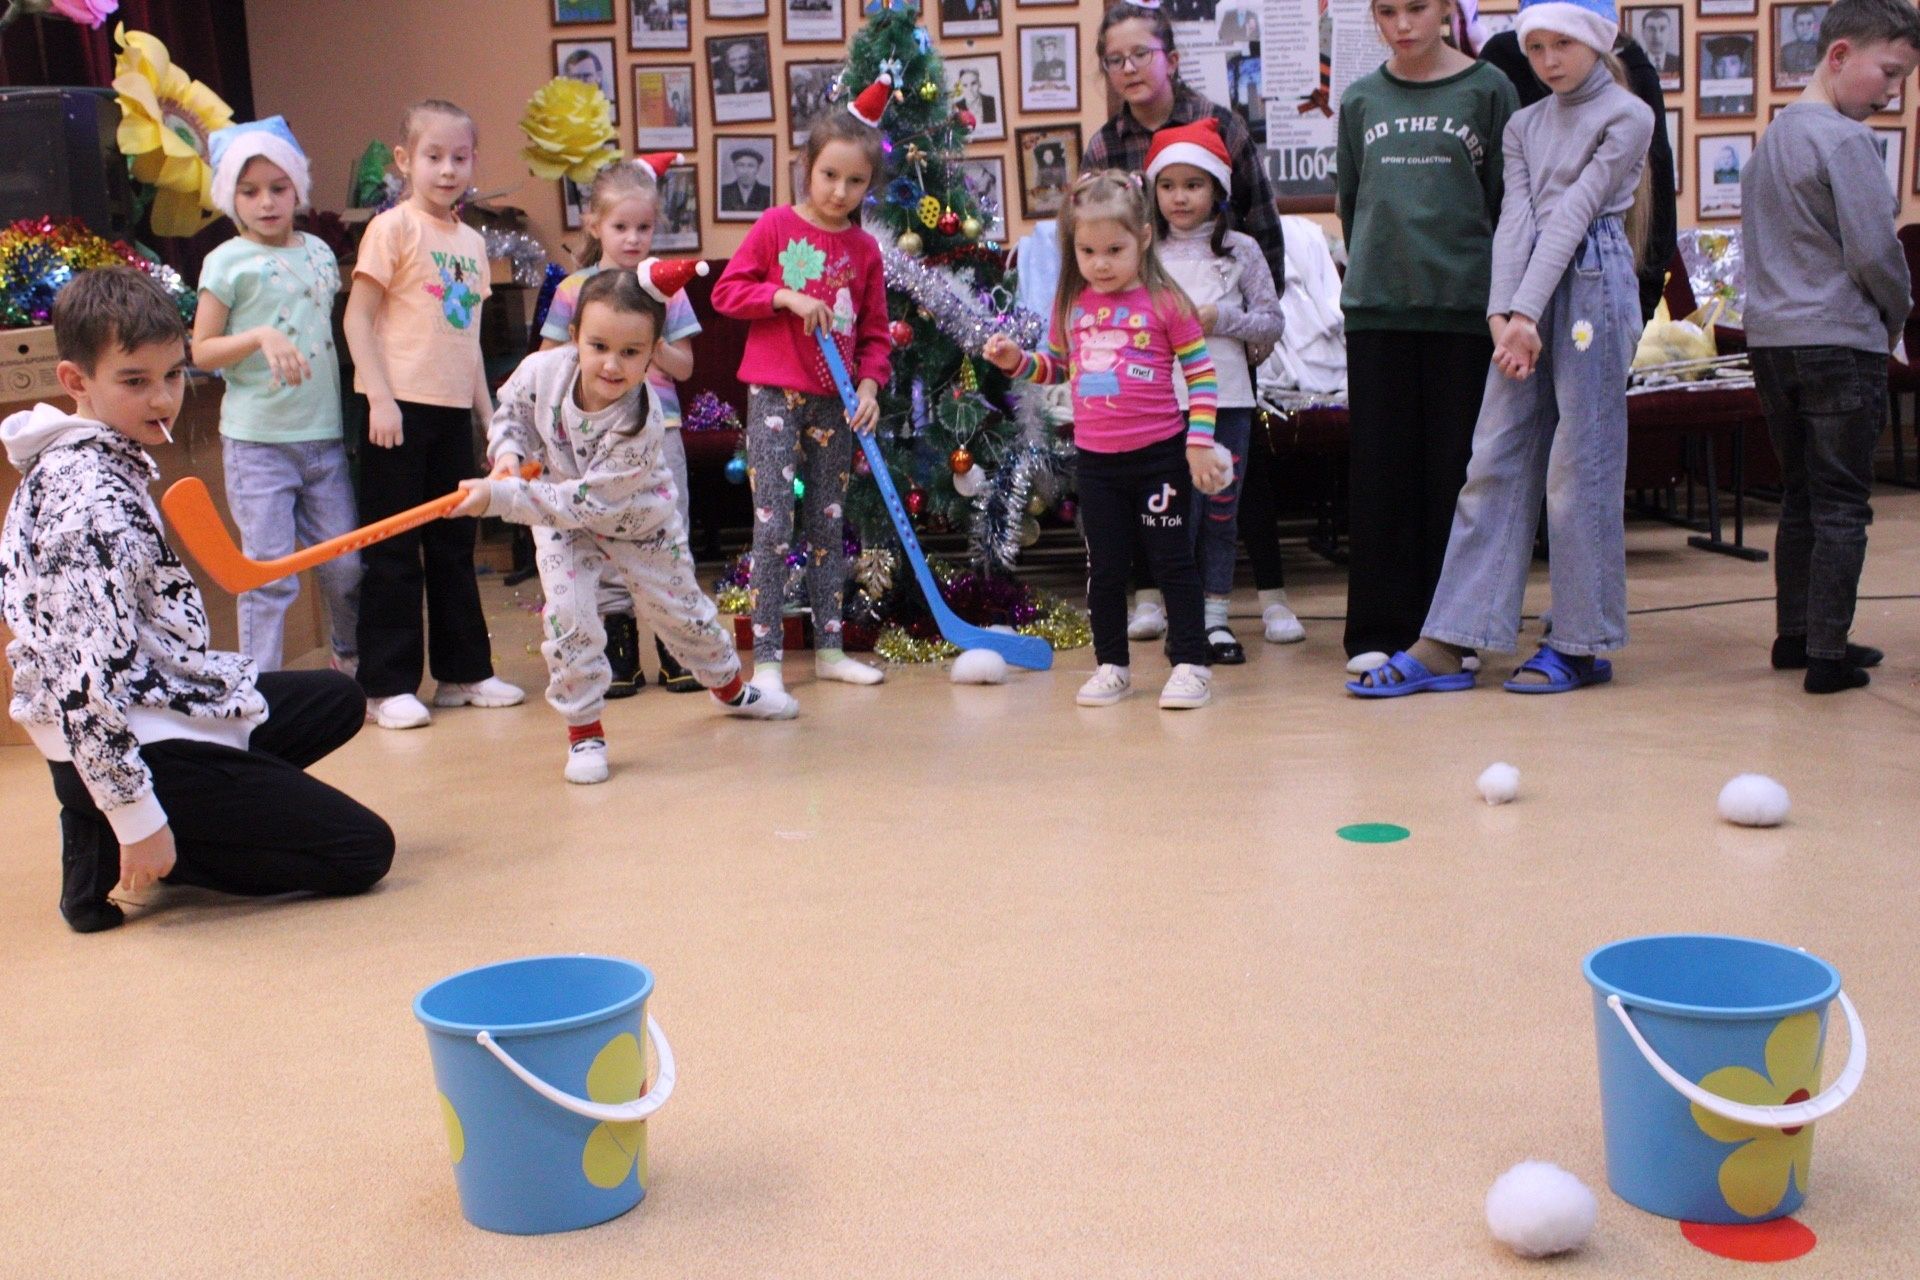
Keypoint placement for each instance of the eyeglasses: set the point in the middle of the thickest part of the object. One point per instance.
(1139, 58)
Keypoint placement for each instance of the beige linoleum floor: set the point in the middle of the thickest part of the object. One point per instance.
(968, 982)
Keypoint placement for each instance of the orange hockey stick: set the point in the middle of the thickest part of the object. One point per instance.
(190, 510)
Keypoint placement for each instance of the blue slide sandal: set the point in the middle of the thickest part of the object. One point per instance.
(1407, 675)
(1561, 676)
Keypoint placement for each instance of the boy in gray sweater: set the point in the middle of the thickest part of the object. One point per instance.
(1827, 297)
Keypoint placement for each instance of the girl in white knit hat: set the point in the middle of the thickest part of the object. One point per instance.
(266, 321)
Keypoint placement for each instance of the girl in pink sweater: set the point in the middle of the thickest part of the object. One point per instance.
(803, 268)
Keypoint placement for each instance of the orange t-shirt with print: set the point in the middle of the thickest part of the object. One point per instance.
(434, 272)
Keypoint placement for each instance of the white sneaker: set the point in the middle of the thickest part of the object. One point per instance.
(401, 711)
(491, 692)
(761, 704)
(1148, 622)
(847, 671)
(1372, 660)
(1188, 686)
(1281, 625)
(587, 761)
(1106, 686)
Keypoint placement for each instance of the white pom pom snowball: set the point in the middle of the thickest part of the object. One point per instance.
(979, 666)
(1538, 1209)
(1499, 783)
(1754, 800)
(970, 481)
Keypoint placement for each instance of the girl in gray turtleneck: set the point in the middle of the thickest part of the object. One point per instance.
(1565, 316)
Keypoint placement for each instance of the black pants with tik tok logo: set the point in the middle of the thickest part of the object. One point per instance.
(1141, 498)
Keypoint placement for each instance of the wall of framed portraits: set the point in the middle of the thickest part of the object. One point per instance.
(729, 83)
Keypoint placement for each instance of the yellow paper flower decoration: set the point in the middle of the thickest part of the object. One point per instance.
(569, 128)
(615, 1148)
(1755, 1176)
(165, 117)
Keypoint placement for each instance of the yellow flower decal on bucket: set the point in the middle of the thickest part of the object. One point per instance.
(615, 1150)
(1755, 1176)
(1582, 335)
(456, 1133)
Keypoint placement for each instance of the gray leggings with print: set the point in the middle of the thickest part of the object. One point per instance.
(791, 433)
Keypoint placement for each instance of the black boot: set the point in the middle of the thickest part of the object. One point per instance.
(675, 677)
(89, 868)
(623, 655)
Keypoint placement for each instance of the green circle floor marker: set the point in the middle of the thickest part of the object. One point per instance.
(1373, 833)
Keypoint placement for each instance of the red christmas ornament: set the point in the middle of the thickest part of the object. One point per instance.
(949, 223)
(968, 120)
(960, 462)
(901, 332)
(861, 467)
(916, 499)
(1068, 509)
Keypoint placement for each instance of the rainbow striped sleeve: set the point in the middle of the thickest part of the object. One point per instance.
(1203, 385)
(1048, 367)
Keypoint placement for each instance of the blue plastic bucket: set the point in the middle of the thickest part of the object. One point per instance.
(542, 1076)
(1709, 1065)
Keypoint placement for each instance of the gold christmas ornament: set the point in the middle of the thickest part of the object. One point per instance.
(910, 244)
(929, 91)
(971, 228)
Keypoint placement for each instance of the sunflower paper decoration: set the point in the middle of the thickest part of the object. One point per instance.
(165, 118)
(569, 128)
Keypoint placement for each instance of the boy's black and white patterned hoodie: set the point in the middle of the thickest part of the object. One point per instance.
(110, 635)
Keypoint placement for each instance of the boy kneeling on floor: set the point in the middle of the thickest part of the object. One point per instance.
(171, 762)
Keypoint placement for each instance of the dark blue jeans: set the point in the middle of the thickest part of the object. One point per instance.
(1825, 407)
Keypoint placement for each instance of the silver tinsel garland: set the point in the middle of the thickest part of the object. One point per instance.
(949, 296)
(1032, 467)
(528, 257)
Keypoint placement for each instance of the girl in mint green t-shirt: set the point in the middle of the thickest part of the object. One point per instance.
(265, 320)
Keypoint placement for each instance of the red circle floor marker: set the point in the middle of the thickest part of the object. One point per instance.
(1780, 1240)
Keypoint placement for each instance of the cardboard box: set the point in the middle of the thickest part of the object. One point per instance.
(27, 360)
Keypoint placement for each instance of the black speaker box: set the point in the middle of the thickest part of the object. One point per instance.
(58, 157)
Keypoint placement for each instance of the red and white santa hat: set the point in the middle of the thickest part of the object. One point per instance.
(664, 277)
(660, 162)
(1198, 144)
(872, 102)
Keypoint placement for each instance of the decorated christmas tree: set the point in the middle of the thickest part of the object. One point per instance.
(968, 450)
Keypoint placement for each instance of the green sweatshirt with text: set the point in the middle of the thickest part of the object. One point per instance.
(1419, 196)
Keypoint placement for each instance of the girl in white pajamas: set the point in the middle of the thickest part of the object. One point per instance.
(607, 496)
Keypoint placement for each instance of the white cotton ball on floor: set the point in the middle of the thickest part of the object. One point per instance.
(1754, 800)
(1003, 629)
(1538, 1209)
(1499, 783)
(979, 666)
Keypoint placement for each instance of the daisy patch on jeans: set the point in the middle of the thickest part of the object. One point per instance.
(1582, 335)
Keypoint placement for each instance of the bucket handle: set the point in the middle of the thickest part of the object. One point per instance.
(1787, 1116)
(615, 1112)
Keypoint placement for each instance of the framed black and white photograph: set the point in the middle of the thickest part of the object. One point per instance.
(733, 10)
(582, 13)
(974, 84)
(740, 77)
(573, 204)
(1244, 94)
(1049, 68)
(663, 107)
(1727, 62)
(1721, 158)
(743, 176)
(659, 24)
(1892, 143)
(1049, 157)
(969, 18)
(1729, 8)
(808, 84)
(679, 227)
(1046, 4)
(590, 62)
(1236, 24)
(814, 21)
(1661, 29)
(986, 181)
(1675, 132)
(1796, 44)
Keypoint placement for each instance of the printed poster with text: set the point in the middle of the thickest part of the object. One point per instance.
(1314, 49)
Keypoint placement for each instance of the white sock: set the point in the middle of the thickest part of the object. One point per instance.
(1217, 611)
(834, 664)
(1272, 596)
(1148, 596)
(766, 675)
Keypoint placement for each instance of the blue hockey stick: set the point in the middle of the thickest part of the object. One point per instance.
(1031, 652)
